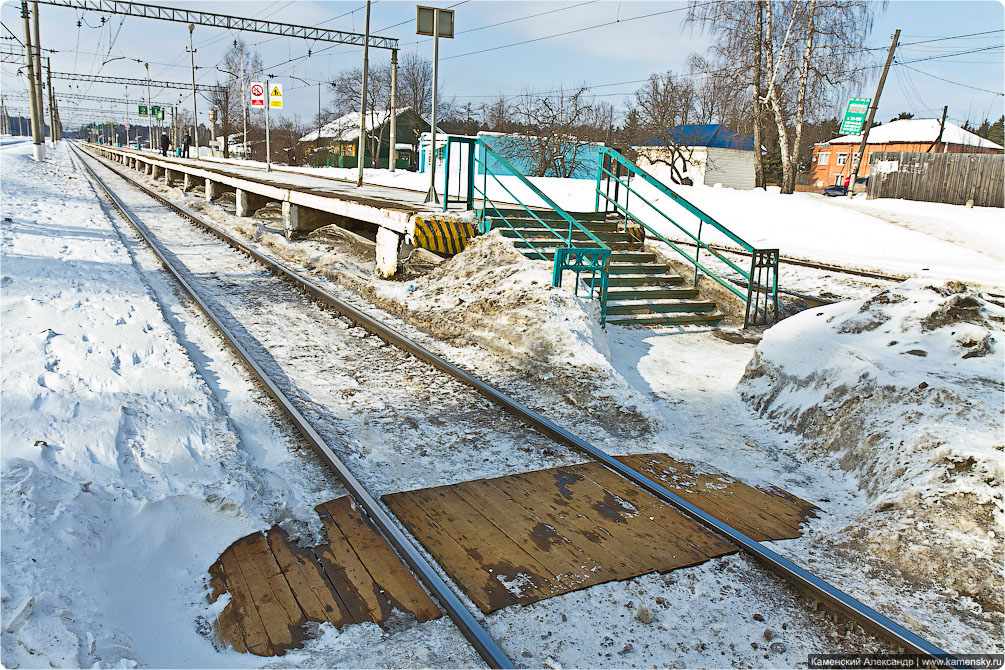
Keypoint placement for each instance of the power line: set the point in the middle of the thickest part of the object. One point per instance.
(958, 53)
(570, 32)
(949, 81)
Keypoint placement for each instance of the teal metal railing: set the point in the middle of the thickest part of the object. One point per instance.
(762, 277)
(558, 238)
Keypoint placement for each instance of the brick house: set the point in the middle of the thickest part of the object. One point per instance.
(831, 160)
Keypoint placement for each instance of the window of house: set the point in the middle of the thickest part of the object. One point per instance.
(842, 159)
(824, 159)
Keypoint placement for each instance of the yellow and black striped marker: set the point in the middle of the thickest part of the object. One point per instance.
(441, 233)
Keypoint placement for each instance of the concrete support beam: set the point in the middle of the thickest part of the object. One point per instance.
(388, 249)
(149, 168)
(299, 220)
(215, 189)
(170, 176)
(158, 171)
(248, 203)
(189, 182)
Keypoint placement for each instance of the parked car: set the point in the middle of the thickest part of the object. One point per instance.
(835, 191)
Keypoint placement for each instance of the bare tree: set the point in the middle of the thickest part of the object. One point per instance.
(796, 55)
(498, 115)
(554, 129)
(415, 84)
(346, 97)
(241, 65)
(666, 103)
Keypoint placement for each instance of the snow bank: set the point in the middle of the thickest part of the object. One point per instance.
(905, 390)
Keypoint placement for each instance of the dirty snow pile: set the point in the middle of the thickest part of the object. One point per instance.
(905, 391)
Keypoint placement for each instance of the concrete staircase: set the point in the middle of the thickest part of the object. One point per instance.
(641, 290)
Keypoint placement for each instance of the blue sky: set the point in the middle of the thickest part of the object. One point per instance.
(628, 50)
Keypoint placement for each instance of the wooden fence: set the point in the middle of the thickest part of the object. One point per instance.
(950, 178)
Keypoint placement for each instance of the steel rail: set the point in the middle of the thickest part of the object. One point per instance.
(817, 265)
(465, 621)
(836, 599)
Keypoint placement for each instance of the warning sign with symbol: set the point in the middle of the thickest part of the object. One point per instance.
(257, 94)
(276, 96)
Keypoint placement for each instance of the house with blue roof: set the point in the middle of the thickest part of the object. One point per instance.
(710, 154)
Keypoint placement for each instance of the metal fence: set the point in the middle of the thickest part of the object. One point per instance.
(950, 178)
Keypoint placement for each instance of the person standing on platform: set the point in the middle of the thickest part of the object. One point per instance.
(165, 144)
(187, 143)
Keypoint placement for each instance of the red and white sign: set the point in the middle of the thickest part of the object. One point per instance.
(257, 94)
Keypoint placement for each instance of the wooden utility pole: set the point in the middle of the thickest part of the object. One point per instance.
(942, 129)
(857, 161)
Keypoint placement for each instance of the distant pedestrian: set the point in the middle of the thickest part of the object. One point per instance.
(187, 143)
(165, 144)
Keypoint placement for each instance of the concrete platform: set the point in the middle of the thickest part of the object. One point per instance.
(310, 202)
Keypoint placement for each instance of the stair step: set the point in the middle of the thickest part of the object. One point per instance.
(615, 280)
(638, 269)
(650, 293)
(664, 320)
(546, 214)
(576, 234)
(659, 306)
(551, 243)
(557, 225)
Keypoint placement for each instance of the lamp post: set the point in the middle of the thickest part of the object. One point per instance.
(195, 106)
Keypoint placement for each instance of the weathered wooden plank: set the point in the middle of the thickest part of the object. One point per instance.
(507, 561)
(760, 514)
(482, 587)
(242, 599)
(390, 577)
(563, 557)
(271, 594)
(227, 627)
(701, 543)
(546, 492)
(312, 589)
(347, 573)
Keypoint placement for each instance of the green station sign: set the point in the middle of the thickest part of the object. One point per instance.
(143, 110)
(854, 117)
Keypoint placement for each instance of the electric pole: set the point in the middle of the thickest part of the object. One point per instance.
(860, 158)
(361, 152)
(38, 72)
(150, 134)
(52, 102)
(394, 110)
(38, 148)
(195, 106)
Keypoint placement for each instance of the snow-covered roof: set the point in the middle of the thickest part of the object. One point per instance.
(346, 128)
(918, 130)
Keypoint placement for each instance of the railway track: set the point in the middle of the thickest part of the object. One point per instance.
(466, 622)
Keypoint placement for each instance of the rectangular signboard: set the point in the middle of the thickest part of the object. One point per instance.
(275, 96)
(257, 94)
(424, 17)
(143, 110)
(854, 117)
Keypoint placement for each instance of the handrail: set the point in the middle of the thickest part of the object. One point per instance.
(573, 223)
(684, 230)
(762, 260)
(680, 200)
(593, 259)
(694, 261)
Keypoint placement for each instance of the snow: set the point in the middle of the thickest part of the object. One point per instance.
(132, 458)
(918, 130)
(905, 389)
